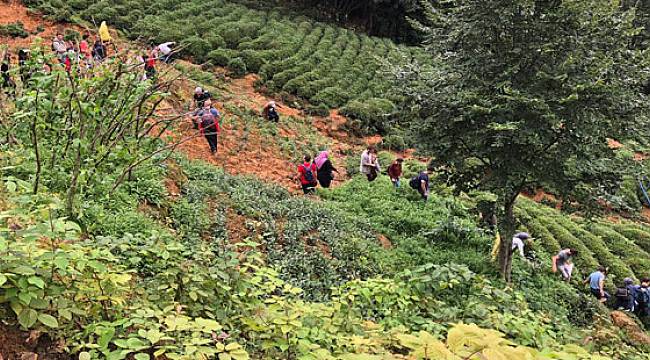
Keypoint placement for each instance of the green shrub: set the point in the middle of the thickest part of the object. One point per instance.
(319, 110)
(371, 115)
(14, 30)
(237, 67)
(252, 60)
(331, 96)
(221, 57)
(197, 48)
(394, 142)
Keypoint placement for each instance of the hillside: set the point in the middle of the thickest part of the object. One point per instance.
(163, 251)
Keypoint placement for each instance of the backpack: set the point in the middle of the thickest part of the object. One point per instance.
(308, 175)
(207, 121)
(415, 181)
(622, 293)
(643, 296)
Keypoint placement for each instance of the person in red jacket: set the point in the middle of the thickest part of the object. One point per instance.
(395, 171)
(209, 126)
(307, 172)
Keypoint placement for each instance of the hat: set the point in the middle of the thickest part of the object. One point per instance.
(271, 103)
(198, 90)
(628, 281)
(522, 235)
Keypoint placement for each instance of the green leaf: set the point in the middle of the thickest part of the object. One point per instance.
(24, 270)
(3, 279)
(36, 281)
(27, 318)
(48, 320)
(141, 356)
(84, 355)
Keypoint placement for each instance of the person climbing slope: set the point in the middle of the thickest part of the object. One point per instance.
(395, 172)
(270, 111)
(7, 83)
(59, 47)
(369, 165)
(209, 126)
(596, 281)
(626, 296)
(564, 263)
(420, 183)
(642, 308)
(200, 96)
(518, 242)
(166, 51)
(99, 51)
(325, 169)
(307, 172)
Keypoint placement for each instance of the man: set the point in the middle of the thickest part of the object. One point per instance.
(642, 308)
(563, 262)
(200, 96)
(596, 281)
(308, 174)
(207, 108)
(270, 112)
(626, 296)
(166, 51)
(518, 243)
(209, 126)
(421, 183)
(395, 172)
(59, 47)
(99, 51)
(369, 163)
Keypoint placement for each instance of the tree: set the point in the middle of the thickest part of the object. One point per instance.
(526, 94)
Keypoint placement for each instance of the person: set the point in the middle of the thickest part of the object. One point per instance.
(166, 51)
(420, 182)
(270, 111)
(150, 66)
(59, 47)
(625, 296)
(207, 108)
(563, 262)
(7, 82)
(395, 172)
(99, 52)
(308, 174)
(209, 126)
(325, 169)
(23, 56)
(200, 96)
(370, 164)
(642, 308)
(518, 242)
(596, 281)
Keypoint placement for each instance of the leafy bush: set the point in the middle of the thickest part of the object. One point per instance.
(369, 116)
(237, 67)
(14, 30)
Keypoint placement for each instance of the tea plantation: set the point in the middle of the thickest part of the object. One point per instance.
(324, 64)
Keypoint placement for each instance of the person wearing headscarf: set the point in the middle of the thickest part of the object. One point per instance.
(518, 242)
(325, 169)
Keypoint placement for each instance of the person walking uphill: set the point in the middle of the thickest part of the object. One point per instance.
(421, 183)
(308, 175)
(325, 169)
(395, 171)
(563, 262)
(370, 164)
(209, 126)
(626, 296)
(270, 112)
(596, 281)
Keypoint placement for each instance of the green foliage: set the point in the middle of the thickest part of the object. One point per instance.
(237, 67)
(14, 30)
(323, 64)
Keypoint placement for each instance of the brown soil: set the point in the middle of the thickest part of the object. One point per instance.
(13, 11)
(236, 227)
(384, 241)
(19, 345)
(633, 330)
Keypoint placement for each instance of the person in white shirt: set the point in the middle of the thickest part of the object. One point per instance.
(518, 242)
(166, 51)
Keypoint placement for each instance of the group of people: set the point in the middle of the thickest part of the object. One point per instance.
(628, 296)
(321, 172)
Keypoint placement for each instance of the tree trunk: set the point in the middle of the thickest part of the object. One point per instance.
(507, 231)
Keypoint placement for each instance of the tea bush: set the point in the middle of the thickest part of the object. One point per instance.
(324, 64)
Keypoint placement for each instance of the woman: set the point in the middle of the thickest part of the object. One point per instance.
(325, 169)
